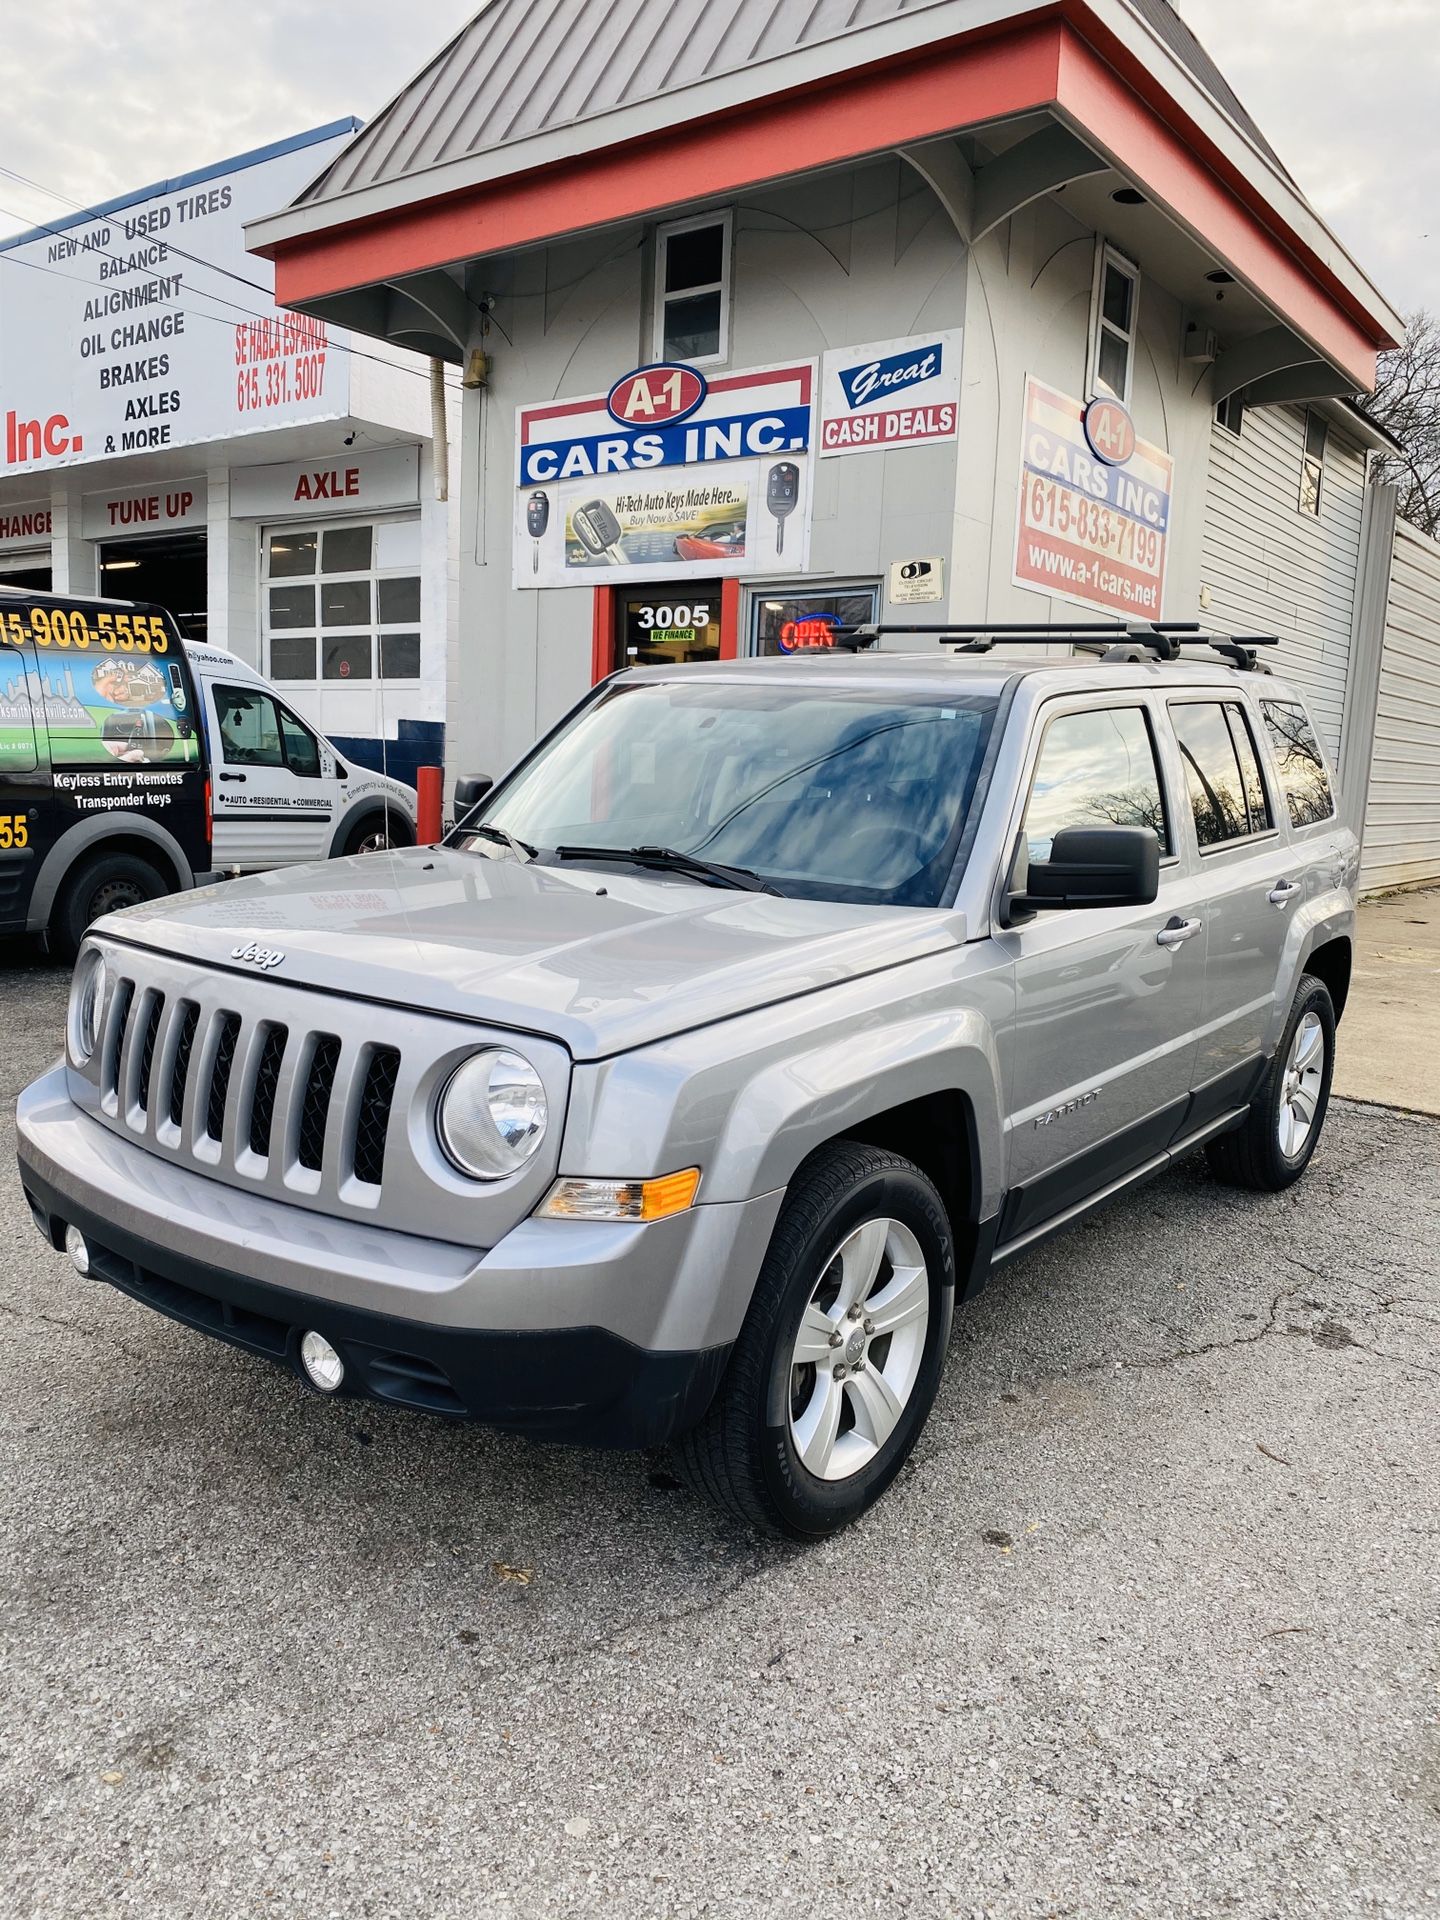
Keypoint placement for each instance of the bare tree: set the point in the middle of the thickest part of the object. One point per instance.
(1407, 404)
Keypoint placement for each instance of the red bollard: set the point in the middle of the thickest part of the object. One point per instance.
(429, 805)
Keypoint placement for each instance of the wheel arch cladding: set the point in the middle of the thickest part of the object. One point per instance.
(1332, 961)
(98, 838)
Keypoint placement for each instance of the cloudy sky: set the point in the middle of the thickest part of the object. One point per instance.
(99, 100)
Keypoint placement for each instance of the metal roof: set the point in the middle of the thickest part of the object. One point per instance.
(521, 68)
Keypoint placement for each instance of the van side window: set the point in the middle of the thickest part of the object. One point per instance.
(1304, 779)
(302, 749)
(1096, 769)
(17, 715)
(249, 729)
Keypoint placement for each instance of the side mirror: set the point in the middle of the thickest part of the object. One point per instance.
(470, 790)
(1093, 867)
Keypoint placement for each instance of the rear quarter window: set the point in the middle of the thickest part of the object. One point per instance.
(1300, 762)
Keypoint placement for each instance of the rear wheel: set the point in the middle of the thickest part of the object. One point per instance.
(838, 1362)
(378, 833)
(103, 884)
(1277, 1141)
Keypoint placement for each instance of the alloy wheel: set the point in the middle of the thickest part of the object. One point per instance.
(1300, 1087)
(859, 1349)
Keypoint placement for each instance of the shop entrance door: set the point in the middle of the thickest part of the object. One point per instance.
(661, 625)
(168, 571)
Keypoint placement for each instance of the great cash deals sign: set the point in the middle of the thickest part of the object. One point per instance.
(1093, 526)
(891, 393)
(666, 475)
(141, 326)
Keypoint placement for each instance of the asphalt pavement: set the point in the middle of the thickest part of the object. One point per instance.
(1149, 1627)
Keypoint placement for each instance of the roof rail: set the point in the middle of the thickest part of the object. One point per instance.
(1130, 640)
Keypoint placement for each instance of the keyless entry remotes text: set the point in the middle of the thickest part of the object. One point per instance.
(782, 496)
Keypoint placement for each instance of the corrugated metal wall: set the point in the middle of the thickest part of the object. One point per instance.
(1271, 568)
(1402, 819)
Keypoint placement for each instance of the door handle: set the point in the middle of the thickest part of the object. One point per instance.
(1282, 893)
(232, 776)
(1176, 932)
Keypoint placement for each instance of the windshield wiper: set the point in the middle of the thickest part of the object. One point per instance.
(522, 849)
(668, 859)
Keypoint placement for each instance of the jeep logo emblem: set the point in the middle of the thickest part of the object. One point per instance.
(257, 956)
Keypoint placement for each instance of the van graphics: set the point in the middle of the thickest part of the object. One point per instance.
(1090, 528)
(118, 708)
(685, 485)
(891, 393)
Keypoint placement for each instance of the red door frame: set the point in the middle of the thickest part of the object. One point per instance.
(606, 638)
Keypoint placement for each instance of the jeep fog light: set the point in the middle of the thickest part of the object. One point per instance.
(87, 999)
(78, 1251)
(323, 1366)
(491, 1117)
(621, 1199)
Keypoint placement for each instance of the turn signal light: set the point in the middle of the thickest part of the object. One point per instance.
(621, 1199)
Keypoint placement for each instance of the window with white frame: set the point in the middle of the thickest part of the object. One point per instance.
(342, 601)
(692, 289)
(1114, 324)
(1230, 414)
(1312, 465)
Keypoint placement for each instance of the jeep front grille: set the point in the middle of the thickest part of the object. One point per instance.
(236, 1092)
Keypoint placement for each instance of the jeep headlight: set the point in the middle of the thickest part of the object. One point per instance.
(492, 1113)
(87, 1005)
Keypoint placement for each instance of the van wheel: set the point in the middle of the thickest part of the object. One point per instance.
(1275, 1145)
(378, 834)
(839, 1359)
(104, 884)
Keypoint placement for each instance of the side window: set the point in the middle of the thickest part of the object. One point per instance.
(692, 289)
(1252, 781)
(1095, 769)
(17, 713)
(249, 729)
(1312, 466)
(1303, 777)
(1114, 324)
(302, 749)
(1222, 771)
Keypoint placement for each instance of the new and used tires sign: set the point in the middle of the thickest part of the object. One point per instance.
(1094, 518)
(666, 476)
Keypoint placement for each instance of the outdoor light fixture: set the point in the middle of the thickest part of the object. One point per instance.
(324, 1368)
(1220, 278)
(1128, 197)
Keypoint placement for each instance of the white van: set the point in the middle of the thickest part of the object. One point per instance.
(281, 792)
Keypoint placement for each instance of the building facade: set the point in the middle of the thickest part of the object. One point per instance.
(170, 434)
(771, 320)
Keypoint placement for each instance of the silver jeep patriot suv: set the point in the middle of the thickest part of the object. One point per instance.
(760, 1011)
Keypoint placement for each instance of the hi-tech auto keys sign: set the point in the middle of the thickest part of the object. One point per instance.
(1094, 519)
(142, 327)
(667, 475)
(892, 393)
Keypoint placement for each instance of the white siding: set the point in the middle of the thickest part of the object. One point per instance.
(1271, 568)
(1402, 819)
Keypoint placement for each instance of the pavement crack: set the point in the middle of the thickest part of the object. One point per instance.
(103, 1335)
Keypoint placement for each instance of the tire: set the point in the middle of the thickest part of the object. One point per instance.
(746, 1454)
(102, 884)
(1257, 1155)
(377, 833)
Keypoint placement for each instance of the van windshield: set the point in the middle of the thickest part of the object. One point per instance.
(826, 794)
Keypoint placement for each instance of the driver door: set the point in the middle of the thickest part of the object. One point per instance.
(272, 804)
(1107, 1009)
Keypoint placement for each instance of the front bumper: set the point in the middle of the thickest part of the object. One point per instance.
(605, 1335)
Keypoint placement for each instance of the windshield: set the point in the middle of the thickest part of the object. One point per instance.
(827, 794)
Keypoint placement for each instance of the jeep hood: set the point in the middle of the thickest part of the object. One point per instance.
(604, 959)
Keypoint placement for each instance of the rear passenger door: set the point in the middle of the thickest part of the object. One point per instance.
(1251, 885)
(272, 802)
(1108, 999)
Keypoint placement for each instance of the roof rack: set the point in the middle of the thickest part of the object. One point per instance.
(1130, 640)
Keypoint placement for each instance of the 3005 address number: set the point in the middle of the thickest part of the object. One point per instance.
(73, 627)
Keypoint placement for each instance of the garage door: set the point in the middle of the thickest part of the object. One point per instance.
(1402, 817)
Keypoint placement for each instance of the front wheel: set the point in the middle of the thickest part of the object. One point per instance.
(1278, 1139)
(839, 1359)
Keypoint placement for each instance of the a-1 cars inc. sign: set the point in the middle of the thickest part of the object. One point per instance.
(666, 476)
(141, 327)
(1093, 526)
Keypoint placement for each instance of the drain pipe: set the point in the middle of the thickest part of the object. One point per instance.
(439, 431)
